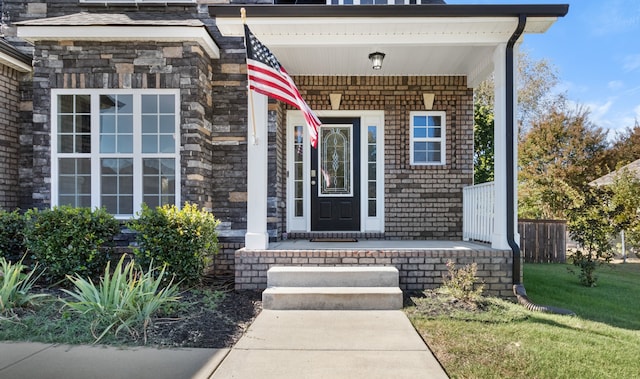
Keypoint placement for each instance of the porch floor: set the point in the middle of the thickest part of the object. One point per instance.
(369, 244)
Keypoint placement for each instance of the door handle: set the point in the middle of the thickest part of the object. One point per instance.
(313, 182)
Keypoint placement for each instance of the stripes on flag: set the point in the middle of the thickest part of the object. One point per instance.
(268, 77)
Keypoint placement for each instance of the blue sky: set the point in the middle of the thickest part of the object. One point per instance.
(596, 51)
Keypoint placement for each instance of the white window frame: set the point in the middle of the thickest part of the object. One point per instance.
(442, 140)
(95, 156)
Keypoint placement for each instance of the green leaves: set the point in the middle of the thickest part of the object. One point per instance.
(124, 300)
(15, 286)
(70, 240)
(184, 240)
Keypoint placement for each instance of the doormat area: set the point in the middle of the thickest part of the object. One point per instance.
(329, 239)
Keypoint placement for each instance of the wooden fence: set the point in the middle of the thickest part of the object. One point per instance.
(543, 241)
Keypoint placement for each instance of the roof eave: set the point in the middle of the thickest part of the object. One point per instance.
(432, 10)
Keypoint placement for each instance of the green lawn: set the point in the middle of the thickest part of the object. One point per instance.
(602, 341)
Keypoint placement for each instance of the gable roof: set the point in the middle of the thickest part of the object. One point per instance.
(14, 58)
(633, 168)
(124, 26)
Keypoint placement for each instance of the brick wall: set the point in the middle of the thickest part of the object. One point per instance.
(89, 64)
(9, 137)
(419, 269)
(421, 202)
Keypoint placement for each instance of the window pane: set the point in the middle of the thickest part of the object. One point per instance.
(167, 144)
(420, 157)
(419, 120)
(167, 124)
(372, 153)
(433, 146)
(110, 203)
(107, 124)
(434, 132)
(372, 208)
(151, 185)
(372, 171)
(83, 124)
(65, 144)
(372, 190)
(125, 103)
(167, 104)
(108, 144)
(434, 156)
(67, 184)
(168, 166)
(152, 201)
(149, 104)
(419, 132)
(149, 124)
(125, 144)
(435, 121)
(83, 143)
(83, 104)
(66, 166)
(125, 124)
(65, 104)
(299, 208)
(371, 134)
(125, 205)
(110, 185)
(107, 104)
(419, 146)
(150, 144)
(65, 124)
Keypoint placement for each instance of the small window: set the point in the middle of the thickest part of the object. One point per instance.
(428, 142)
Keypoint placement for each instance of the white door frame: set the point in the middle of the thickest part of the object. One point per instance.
(373, 119)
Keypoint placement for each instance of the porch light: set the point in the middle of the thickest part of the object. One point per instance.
(376, 60)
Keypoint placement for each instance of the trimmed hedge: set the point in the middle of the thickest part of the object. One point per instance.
(12, 246)
(67, 240)
(183, 239)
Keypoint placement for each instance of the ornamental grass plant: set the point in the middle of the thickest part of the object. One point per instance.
(125, 299)
(16, 286)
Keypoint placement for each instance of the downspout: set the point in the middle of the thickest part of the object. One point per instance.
(518, 287)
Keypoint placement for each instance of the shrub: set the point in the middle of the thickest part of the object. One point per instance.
(461, 283)
(127, 297)
(182, 239)
(16, 285)
(68, 240)
(12, 245)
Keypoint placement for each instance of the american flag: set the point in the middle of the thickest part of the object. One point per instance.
(268, 77)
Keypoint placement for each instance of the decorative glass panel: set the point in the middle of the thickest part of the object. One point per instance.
(371, 172)
(298, 173)
(335, 160)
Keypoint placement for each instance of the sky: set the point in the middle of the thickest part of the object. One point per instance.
(595, 49)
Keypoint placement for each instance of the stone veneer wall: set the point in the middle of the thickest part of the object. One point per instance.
(421, 202)
(9, 137)
(119, 65)
(419, 269)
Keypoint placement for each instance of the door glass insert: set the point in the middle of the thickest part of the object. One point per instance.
(335, 161)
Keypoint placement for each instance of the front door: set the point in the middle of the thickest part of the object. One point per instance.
(335, 176)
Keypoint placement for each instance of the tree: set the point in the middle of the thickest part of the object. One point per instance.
(535, 84)
(625, 147)
(625, 201)
(590, 226)
(483, 144)
(560, 154)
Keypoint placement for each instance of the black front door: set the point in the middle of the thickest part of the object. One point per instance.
(335, 176)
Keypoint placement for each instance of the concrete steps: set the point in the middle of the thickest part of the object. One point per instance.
(332, 288)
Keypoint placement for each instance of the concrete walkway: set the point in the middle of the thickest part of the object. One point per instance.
(279, 344)
(332, 345)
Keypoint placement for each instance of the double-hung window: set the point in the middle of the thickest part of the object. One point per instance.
(428, 142)
(115, 149)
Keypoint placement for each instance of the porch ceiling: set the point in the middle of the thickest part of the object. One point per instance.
(414, 43)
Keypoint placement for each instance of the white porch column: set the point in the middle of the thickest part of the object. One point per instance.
(499, 238)
(257, 237)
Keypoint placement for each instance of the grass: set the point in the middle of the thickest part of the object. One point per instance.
(507, 341)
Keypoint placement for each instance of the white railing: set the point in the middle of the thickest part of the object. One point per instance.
(478, 208)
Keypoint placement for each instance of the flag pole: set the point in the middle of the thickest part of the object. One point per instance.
(243, 17)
